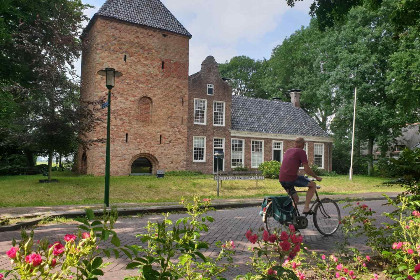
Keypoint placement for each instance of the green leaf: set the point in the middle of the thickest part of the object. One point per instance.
(116, 253)
(83, 227)
(115, 240)
(199, 254)
(107, 253)
(95, 223)
(89, 214)
(127, 253)
(96, 262)
(97, 272)
(133, 265)
(82, 220)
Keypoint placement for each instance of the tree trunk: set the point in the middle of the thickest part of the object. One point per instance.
(30, 158)
(370, 156)
(50, 157)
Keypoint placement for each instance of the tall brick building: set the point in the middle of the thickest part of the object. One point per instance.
(163, 119)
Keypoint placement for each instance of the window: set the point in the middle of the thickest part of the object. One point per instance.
(305, 148)
(145, 109)
(200, 110)
(319, 155)
(218, 146)
(237, 153)
(257, 153)
(219, 113)
(278, 151)
(199, 149)
(210, 89)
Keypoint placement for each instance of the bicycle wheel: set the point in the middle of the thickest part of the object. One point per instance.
(327, 216)
(271, 224)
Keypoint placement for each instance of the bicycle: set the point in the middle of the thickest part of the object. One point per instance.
(326, 214)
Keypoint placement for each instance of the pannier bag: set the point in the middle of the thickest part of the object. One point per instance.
(278, 207)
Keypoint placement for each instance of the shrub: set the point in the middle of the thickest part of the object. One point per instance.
(183, 173)
(240, 168)
(270, 169)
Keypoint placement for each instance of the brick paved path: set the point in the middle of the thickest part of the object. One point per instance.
(230, 224)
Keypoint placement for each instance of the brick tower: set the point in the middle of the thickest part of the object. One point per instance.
(147, 44)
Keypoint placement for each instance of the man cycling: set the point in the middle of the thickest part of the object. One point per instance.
(289, 178)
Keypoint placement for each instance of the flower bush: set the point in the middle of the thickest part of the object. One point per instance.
(173, 250)
(397, 243)
(75, 256)
(276, 255)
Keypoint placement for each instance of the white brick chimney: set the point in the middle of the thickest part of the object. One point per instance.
(295, 97)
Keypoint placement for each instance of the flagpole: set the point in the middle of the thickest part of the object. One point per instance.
(352, 137)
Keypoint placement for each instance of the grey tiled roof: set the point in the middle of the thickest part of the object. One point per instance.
(150, 13)
(268, 116)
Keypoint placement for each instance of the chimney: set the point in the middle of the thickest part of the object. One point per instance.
(295, 97)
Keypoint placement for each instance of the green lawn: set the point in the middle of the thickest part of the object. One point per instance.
(72, 189)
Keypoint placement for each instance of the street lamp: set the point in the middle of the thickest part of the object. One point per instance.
(110, 75)
(218, 155)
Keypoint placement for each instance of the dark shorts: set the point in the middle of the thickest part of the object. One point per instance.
(301, 181)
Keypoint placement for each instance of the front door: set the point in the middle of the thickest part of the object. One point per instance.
(218, 147)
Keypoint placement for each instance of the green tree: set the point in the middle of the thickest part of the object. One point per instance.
(245, 76)
(40, 42)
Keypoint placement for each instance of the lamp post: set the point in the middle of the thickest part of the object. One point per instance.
(218, 155)
(110, 75)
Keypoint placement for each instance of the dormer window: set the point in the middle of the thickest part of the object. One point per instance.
(210, 89)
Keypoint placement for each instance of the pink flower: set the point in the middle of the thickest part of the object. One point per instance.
(284, 236)
(53, 262)
(85, 235)
(265, 235)
(206, 199)
(294, 265)
(416, 213)
(323, 257)
(368, 258)
(292, 228)
(271, 272)
(351, 272)
(58, 249)
(301, 275)
(363, 264)
(232, 244)
(69, 237)
(12, 252)
(345, 270)
(272, 238)
(410, 251)
(285, 245)
(396, 245)
(337, 275)
(334, 258)
(1, 276)
(364, 206)
(417, 268)
(339, 267)
(34, 259)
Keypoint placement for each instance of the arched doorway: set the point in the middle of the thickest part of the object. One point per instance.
(141, 166)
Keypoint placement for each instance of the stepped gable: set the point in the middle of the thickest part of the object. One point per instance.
(269, 116)
(151, 13)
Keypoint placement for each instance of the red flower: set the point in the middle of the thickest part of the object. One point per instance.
(265, 235)
(417, 268)
(253, 238)
(296, 239)
(69, 237)
(34, 259)
(53, 262)
(12, 252)
(1, 276)
(285, 245)
(272, 238)
(85, 235)
(271, 272)
(409, 277)
(248, 234)
(58, 249)
(292, 228)
(284, 236)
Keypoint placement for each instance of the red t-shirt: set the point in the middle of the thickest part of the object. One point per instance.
(293, 158)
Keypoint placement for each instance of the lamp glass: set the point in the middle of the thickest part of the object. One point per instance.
(110, 77)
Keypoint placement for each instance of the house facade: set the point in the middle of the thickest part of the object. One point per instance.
(163, 119)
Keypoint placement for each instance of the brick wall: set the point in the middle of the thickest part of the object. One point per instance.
(154, 64)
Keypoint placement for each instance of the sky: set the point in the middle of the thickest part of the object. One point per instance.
(229, 28)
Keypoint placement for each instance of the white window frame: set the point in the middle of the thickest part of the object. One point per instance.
(321, 146)
(204, 149)
(196, 109)
(210, 86)
(233, 153)
(255, 163)
(278, 149)
(223, 148)
(223, 113)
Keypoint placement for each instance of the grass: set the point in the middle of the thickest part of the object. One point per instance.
(72, 189)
